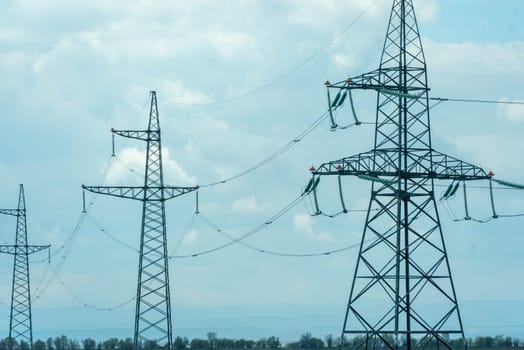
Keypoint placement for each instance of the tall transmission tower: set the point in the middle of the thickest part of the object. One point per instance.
(402, 293)
(20, 320)
(153, 306)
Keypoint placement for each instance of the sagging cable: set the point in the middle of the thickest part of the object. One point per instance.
(197, 211)
(344, 210)
(492, 200)
(314, 189)
(357, 122)
(113, 145)
(467, 217)
(84, 202)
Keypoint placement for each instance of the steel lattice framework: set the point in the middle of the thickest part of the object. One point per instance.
(20, 321)
(153, 306)
(402, 262)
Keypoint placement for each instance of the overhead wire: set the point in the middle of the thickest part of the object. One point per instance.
(276, 154)
(186, 231)
(472, 100)
(249, 233)
(68, 244)
(272, 252)
(111, 236)
(79, 300)
(318, 121)
(289, 71)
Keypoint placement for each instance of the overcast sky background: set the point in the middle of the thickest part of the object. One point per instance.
(71, 70)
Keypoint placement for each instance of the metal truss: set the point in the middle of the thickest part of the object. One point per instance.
(402, 294)
(20, 320)
(153, 306)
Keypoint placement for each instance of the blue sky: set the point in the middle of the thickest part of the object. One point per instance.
(73, 69)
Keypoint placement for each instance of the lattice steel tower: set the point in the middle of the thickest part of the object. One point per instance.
(153, 306)
(402, 263)
(20, 320)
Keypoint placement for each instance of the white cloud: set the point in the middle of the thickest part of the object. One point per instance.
(231, 45)
(426, 11)
(511, 112)
(246, 205)
(343, 60)
(130, 163)
(493, 152)
(316, 14)
(176, 93)
(486, 60)
(303, 223)
(174, 173)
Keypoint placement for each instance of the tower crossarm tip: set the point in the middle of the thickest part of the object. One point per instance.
(144, 135)
(12, 212)
(29, 249)
(421, 164)
(152, 193)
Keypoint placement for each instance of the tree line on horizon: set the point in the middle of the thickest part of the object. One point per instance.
(213, 342)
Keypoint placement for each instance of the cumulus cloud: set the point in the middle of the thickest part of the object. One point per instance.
(130, 168)
(176, 93)
(491, 59)
(426, 11)
(230, 44)
(511, 112)
(343, 60)
(311, 13)
(303, 223)
(492, 151)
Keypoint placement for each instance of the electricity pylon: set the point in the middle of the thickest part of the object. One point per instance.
(402, 294)
(153, 306)
(20, 320)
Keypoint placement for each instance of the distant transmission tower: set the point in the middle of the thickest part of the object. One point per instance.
(402, 293)
(153, 306)
(20, 321)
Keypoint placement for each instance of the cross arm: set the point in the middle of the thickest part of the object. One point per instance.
(144, 135)
(29, 249)
(154, 193)
(380, 80)
(422, 164)
(12, 212)
(175, 191)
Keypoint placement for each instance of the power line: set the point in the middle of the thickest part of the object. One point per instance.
(92, 306)
(471, 100)
(276, 154)
(232, 239)
(290, 144)
(272, 252)
(288, 72)
(249, 233)
(68, 244)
